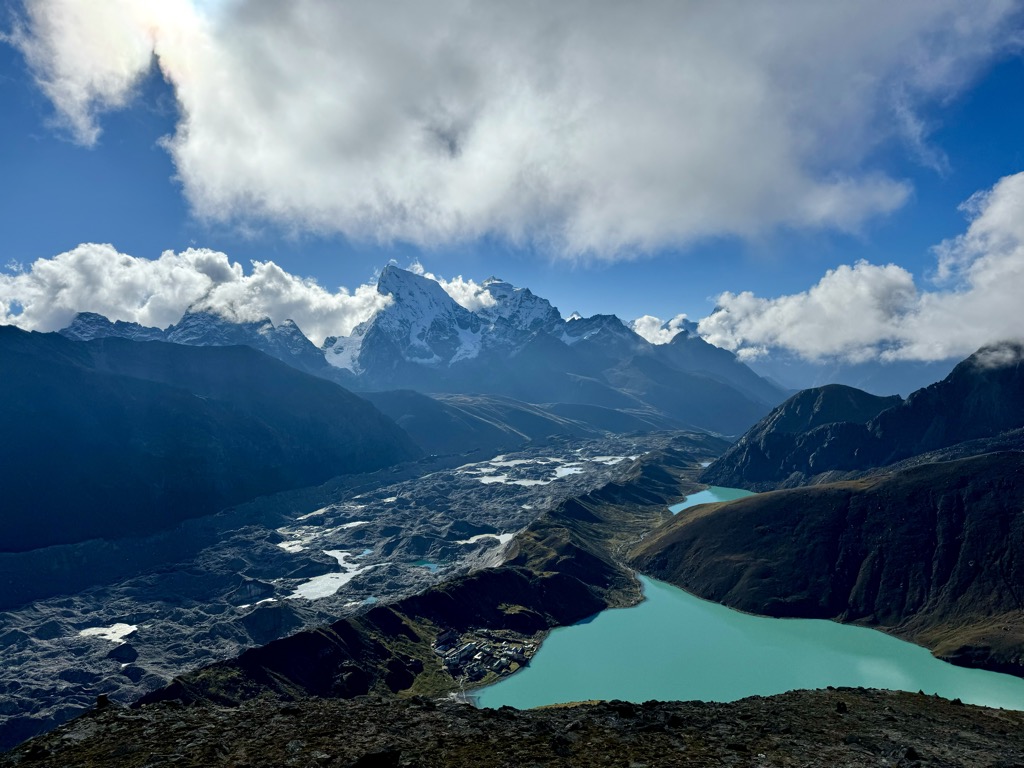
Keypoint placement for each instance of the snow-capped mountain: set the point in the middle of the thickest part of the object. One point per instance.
(517, 309)
(425, 326)
(518, 345)
(286, 341)
(87, 326)
(515, 345)
(422, 325)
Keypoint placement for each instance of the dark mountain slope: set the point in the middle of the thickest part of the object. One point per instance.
(838, 428)
(983, 396)
(113, 437)
(689, 352)
(934, 554)
(797, 436)
(446, 424)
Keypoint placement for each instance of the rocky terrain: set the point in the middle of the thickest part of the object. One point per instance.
(216, 586)
(566, 565)
(845, 728)
(933, 553)
(842, 429)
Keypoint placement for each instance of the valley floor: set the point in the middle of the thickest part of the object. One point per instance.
(217, 586)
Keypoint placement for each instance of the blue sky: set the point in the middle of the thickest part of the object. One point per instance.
(900, 141)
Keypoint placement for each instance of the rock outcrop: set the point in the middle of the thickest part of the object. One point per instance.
(843, 728)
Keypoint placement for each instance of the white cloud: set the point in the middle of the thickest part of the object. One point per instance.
(868, 311)
(590, 128)
(657, 331)
(97, 278)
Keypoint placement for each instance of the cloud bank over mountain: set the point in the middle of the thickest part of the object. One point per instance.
(590, 129)
(867, 311)
(657, 332)
(855, 313)
(157, 292)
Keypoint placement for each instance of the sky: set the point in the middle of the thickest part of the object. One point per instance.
(834, 181)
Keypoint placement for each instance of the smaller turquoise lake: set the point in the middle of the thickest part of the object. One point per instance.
(674, 645)
(713, 493)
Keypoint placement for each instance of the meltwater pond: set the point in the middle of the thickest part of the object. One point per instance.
(677, 646)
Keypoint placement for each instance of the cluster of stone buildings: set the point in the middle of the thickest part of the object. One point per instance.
(474, 657)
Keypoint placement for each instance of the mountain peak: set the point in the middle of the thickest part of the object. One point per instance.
(519, 308)
(998, 355)
(397, 282)
(422, 322)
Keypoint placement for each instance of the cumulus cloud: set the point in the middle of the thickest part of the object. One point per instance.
(591, 128)
(157, 292)
(657, 331)
(867, 311)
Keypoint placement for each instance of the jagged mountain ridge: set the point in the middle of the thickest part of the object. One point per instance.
(514, 345)
(198, 328)
(839, 428)
(518, 345)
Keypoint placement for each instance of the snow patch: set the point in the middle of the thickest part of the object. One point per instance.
(304, 535)
(115, 633)
(314, 513)
(344, 352)
(470, 343)
(503, 538)
(612, 460)
(328, 584)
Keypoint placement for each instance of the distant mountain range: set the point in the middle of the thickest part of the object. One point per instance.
(110, 437)
(517, 345)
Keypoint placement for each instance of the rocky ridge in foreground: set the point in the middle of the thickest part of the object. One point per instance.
(835, 727)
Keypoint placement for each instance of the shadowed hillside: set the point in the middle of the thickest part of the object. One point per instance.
(837, 428)
(113, 437)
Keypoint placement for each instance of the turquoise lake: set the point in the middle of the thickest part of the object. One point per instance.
(677, 646)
